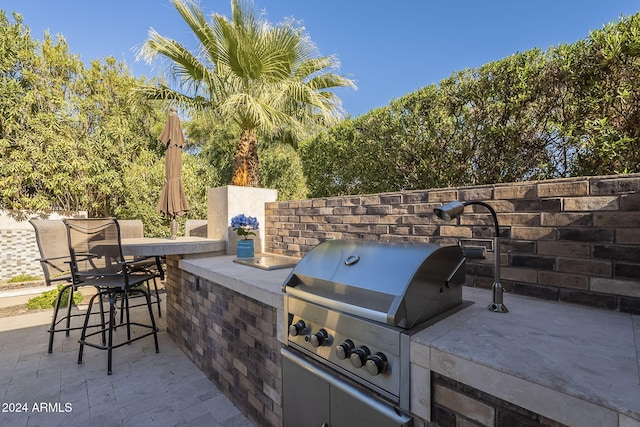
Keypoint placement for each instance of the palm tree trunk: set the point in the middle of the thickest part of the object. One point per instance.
(245, 160)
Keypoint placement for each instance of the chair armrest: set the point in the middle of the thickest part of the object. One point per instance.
(52, 258)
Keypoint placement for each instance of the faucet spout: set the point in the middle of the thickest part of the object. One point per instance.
(454, 209)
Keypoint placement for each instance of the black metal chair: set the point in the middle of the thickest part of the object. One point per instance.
(51, 237)
(96, 258)
(133, 229)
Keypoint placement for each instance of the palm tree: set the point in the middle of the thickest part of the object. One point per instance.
(267, 79)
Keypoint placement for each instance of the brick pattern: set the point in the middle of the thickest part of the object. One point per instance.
(456, 404)
(231, 338)
(573, 239)
(18, 254)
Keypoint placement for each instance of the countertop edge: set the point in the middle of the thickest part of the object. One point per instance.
(261, 285)
(603, 399)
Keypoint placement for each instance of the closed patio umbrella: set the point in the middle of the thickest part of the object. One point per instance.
(173, 202)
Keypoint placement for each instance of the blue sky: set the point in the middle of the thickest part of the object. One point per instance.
(390, 48)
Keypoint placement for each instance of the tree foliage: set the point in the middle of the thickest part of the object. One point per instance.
(266, 79)
(607, 87)
(70, 139)
(571, 110)
(216, 143)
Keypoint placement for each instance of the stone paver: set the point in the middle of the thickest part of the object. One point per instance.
(145, 389)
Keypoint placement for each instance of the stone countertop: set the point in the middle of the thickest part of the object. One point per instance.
(575, 364)
(186, 246)
(261, 285)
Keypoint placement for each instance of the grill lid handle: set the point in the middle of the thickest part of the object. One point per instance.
(452, 276)
(351, 260)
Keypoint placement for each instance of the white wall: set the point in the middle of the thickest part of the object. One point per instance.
(223, 203)
(18, 247)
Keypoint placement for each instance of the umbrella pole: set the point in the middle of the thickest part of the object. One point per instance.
(174, 228)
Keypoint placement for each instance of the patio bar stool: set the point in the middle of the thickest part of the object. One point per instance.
(133, 229)
(96, 258)
(51, 238)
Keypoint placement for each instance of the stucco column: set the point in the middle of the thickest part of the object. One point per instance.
(223, 203)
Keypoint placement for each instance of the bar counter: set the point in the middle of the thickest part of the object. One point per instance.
(184, 246)
(572, 364)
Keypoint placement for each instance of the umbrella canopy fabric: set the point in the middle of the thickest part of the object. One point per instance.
(172, 200)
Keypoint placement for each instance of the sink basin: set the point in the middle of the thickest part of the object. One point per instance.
(268, 262)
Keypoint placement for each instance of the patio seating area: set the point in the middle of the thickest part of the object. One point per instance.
(145, 389)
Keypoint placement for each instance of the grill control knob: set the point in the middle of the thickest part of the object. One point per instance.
(344, 350)
(377, 364)
(319, 338)
(359, 356)
(298, 329)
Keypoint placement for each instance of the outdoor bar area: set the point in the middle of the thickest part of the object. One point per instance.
(565, 350)
(435, 245)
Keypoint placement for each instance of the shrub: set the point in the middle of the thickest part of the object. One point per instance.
(23, 278)
(48, 299)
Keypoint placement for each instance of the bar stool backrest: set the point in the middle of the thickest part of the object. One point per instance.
(94, 246)
(51, 237)
(134, 229)
(131, 228)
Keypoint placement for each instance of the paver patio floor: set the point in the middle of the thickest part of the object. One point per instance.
(145, 389)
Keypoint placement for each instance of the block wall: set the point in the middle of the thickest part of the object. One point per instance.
(18, 247)
(573, 239)
(18, 254)
(456, 404)
(231, 338)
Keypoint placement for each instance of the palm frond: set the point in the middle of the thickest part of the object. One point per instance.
(330, 81)
(164, 93)
(267, 78)
(184, 65)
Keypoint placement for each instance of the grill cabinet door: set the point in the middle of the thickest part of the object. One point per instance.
(305, 397)
(349, 411)
(314, 397)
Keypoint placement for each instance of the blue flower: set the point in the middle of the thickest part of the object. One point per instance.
(243, 225)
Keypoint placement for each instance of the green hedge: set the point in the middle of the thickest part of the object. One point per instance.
(571, 110)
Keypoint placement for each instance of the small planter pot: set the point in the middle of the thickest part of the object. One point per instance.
(246, 248)
(233, 239)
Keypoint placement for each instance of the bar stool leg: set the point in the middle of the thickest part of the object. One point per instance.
(112, 326)
(83, 334)
(69, 301)
(102, 318)
(153, 321)
(52, 329)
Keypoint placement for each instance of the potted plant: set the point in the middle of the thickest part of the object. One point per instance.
(245, 226)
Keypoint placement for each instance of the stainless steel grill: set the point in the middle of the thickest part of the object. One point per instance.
(351, 308)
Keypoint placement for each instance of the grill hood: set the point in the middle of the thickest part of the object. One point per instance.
(394, 283)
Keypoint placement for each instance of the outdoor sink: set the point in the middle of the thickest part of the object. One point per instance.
(268, 262)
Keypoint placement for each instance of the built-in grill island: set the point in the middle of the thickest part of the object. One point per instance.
(351, 307)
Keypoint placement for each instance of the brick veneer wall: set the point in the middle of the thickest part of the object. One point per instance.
(18, 247)
(457, 404)
(231, 338)
(18, 254)
(573, 239)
